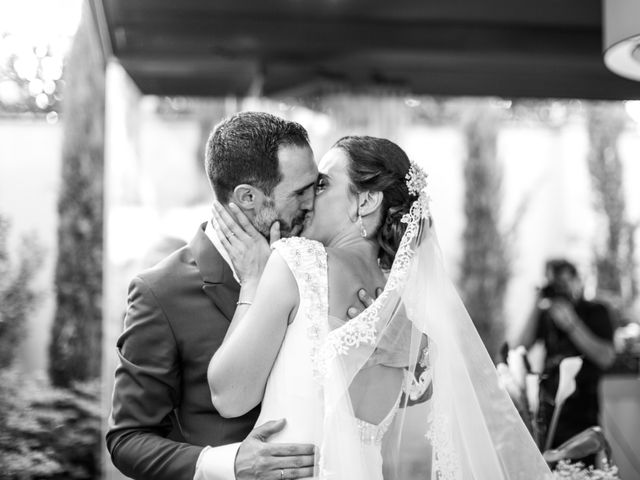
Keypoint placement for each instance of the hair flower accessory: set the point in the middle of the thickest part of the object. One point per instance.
(416, 179)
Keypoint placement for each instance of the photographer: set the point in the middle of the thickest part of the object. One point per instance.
(569, 325)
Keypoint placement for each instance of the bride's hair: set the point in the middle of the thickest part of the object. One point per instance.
(379, 165)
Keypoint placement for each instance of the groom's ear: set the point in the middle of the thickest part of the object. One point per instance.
(247, 197)
(369, 202)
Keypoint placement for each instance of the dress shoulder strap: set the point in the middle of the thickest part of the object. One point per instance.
(307, 260)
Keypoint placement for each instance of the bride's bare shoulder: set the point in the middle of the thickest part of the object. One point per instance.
(346, 275)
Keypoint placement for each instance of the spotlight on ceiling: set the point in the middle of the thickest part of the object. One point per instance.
(621, 34)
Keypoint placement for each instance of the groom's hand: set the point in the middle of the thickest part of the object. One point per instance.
(259, 459)
(365, 299)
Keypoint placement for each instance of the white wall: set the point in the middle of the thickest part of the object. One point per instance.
(30, 153)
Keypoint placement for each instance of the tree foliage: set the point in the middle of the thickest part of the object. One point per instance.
(615, 255)
(30, 76)
(18, 298)
(77, 330)
(484, 270)
(46, 432)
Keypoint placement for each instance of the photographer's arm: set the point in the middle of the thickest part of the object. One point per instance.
(596, 349)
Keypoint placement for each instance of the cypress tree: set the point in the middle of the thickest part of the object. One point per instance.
(484, 269)
(75, 349)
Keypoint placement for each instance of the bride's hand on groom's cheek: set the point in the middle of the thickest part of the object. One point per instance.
(259, 459)
(365, 299)
(248, 249)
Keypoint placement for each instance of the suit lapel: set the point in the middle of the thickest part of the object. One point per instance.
(224, 296)
(217, 278)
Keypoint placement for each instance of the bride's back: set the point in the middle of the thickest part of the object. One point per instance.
(347, 273)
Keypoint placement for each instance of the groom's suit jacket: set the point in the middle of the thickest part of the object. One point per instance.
(177, 315)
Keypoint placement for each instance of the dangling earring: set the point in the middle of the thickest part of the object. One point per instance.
(363, 231)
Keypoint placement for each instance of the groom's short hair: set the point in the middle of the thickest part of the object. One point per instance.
(244, 149)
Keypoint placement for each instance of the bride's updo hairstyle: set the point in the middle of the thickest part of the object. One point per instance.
(379, 165)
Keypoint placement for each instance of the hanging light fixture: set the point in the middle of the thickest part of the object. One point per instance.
(621, 32)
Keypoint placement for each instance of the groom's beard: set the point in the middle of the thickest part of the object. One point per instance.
(265, 218)
(294, 228)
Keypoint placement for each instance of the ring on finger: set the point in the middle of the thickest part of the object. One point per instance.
(281, 474)
(231, 234)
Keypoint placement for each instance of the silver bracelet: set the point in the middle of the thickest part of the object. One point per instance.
(242, 302)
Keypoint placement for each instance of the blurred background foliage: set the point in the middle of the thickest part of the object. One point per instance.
(45, 432)
(615, 261)
(485, 265)
(30, 76)
(48, 432)
(76, 344)
(17, 296)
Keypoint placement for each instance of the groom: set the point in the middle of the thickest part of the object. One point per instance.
(163, 425)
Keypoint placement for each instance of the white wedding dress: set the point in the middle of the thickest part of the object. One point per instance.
(295, 389)
(468, 429)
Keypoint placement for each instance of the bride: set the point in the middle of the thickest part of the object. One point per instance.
(357, 388)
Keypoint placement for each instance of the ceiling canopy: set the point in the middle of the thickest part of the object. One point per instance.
(512, 48)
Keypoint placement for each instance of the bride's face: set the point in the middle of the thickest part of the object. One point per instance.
(335, 205)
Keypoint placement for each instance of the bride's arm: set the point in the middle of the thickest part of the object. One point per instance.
(238, 371)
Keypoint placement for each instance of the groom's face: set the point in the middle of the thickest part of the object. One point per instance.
(292, 199)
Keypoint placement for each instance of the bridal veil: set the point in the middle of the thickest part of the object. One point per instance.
(465, 427)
